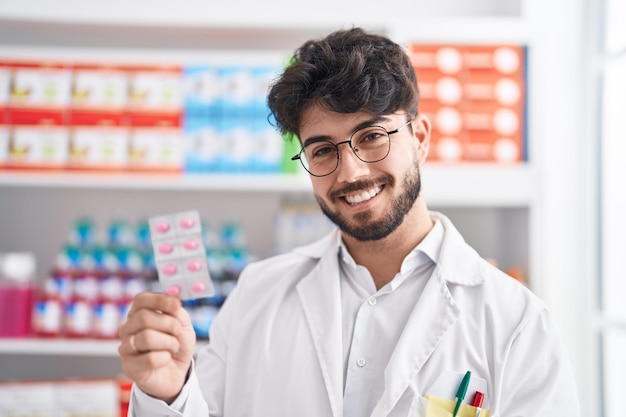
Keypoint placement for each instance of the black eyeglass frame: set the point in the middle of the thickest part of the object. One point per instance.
(354, 151)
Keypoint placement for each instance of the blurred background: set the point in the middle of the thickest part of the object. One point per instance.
(112, 112)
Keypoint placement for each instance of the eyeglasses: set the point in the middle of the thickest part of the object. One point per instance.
(370, 144)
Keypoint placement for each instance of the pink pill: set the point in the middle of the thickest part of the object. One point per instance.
(162, 227)
(198, 287)
(194, 266)
(173, 290)
(187, 223)
(191, 244)
(166, 248)
(169, 269)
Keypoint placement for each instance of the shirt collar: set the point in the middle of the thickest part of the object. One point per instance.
(457, 262)
(426, 251)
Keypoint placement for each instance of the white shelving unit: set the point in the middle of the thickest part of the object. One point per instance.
(163, 182)
(60, 347)
(64, 347)
(530, 214)
(476, 185)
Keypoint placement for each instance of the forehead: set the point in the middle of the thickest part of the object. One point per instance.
(317, 121)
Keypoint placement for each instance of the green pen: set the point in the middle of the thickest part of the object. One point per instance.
(460, 393)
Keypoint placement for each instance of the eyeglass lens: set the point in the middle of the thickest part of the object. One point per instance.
(370, 144)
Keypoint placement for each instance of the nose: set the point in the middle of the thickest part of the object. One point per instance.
(350, 168)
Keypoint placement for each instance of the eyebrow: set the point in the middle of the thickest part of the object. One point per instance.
(369, 122)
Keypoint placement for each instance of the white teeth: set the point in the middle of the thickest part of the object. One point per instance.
(364, 196)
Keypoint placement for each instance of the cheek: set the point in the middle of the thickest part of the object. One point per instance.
(321, 185)
(403, 156)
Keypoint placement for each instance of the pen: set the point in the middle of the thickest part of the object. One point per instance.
(478, 402)
(460, 393)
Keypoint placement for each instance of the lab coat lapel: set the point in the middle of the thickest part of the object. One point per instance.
(320, 294)
(434, 313)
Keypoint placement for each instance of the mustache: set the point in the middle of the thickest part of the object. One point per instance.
(385, 179)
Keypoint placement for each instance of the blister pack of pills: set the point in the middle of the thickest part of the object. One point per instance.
(180, 255)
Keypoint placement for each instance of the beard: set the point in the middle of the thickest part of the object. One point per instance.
(363, 228)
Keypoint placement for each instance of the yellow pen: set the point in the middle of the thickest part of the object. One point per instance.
(460, 393)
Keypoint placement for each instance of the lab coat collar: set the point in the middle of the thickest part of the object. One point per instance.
(432, 317)
(320, 295)
(458, 262)
(463, 270)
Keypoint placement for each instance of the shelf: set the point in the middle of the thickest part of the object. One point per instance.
(456, 185)
(87, 347)
(242, 13)
(228, 27)
(462, 30)
(479, 185)
(64, 347)
(172, 182)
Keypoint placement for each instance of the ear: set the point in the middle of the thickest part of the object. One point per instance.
(421, 130)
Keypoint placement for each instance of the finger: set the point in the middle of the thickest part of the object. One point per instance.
(148, 340)
(151, 340)
(153, 319)
(155, 301)
(149, 360)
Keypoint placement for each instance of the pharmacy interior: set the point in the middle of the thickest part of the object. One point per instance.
(115, 113)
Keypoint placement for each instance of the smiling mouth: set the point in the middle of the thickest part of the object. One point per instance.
(363, 196)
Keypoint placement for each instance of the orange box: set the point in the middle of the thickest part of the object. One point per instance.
(39, 92)
(75, 397)
(474, 96)
(4, 145)
(5, 84)
(155, 149)
(155, 95)
(37, 147)
(99, 94)
(102, 148)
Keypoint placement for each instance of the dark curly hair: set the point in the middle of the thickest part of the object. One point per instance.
(346, 72)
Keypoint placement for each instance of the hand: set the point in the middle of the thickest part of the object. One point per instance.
(157, 344)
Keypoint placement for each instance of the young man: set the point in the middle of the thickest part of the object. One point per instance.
(376, 319)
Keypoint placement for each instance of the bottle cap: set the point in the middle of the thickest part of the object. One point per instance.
(18, 266)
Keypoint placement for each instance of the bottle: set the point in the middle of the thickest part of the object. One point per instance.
(17, 293)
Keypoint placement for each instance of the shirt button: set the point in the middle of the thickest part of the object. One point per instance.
(372, 301)
(360, 362)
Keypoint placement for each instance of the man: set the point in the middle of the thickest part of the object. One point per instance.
(382, 317)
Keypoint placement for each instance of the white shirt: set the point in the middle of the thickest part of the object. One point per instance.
(374, 319)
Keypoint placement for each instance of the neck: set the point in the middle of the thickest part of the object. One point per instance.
(383, 258)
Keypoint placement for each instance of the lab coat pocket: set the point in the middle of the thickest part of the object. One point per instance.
(442, 407)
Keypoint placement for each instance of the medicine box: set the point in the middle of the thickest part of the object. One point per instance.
(39, 92)
(99, 94)
(38, 147)
(475, 97)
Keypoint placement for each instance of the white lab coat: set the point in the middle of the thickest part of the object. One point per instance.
(276, 346)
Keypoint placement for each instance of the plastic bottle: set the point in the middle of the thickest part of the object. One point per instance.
(17, 293)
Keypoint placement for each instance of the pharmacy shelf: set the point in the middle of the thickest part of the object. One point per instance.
(82, 347)
(474, 185)
(64, 347)
(160, 30)
(480, 185)
(182, 182)
(241, 14)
